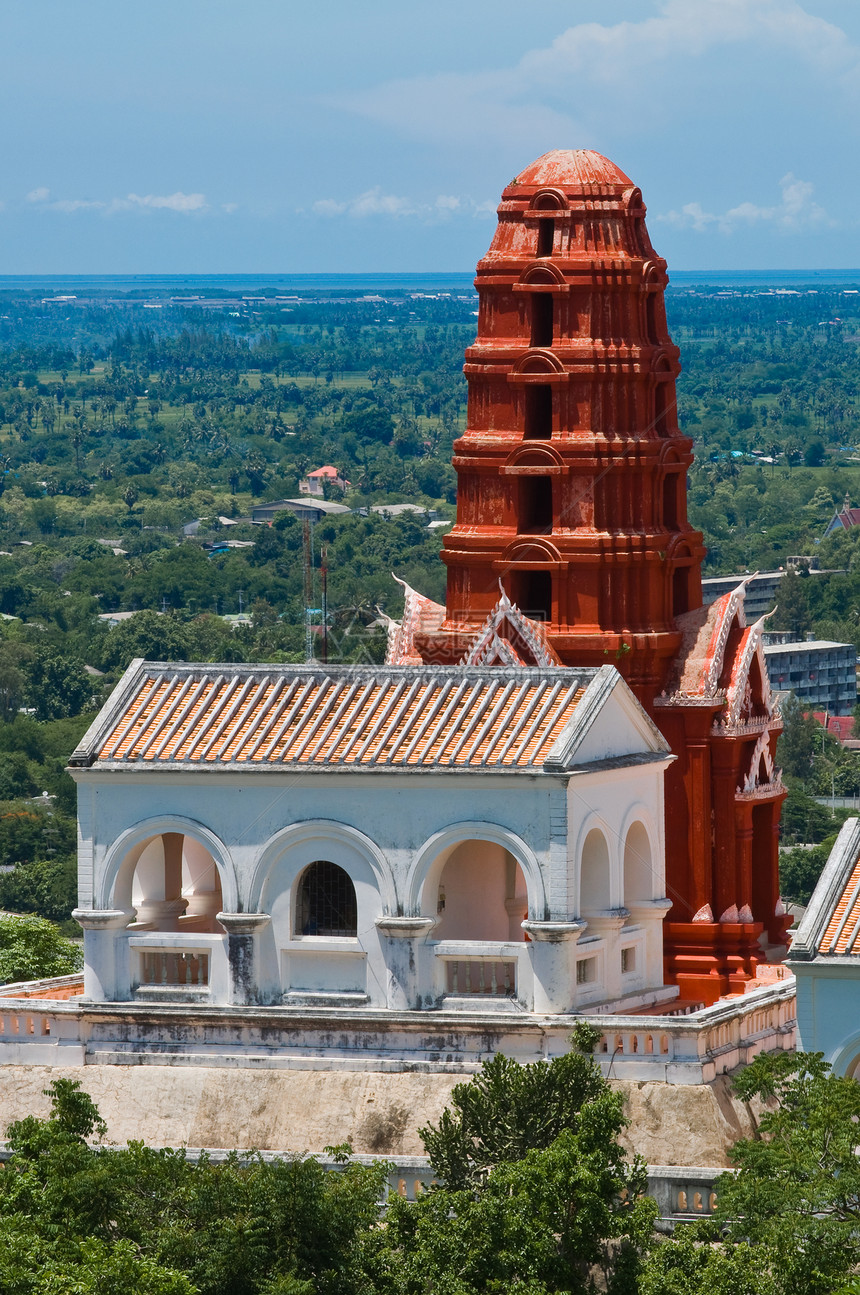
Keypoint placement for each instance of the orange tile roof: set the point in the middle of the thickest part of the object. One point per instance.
(840, 935)
(348, 717)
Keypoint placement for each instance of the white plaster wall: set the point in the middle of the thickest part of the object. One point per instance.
(393, 833)
(397, 814)
(828, 1010)
(612, 801)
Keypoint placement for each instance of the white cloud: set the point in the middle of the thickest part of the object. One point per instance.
(72, 204)
(376, 203)
(555, 92)
(795, 211)
(181, 202)
(373, 202)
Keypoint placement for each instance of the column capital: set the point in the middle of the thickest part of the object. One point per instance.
(103, 919)
(243, 923)
(554, 932)
(405, 928)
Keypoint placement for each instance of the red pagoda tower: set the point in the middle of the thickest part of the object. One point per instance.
(572, 498)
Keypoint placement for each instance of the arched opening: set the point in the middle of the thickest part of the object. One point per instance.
(594, 892)
(534, 514)
(176, 885)
(661, 409)
(546, 237)
(755, 703)
(638, 866)
(651, 318)
(326, 902)
(670, 502)
(532, 592)
(680, 591)
(542, 319)
(538, 413)
(481, 894)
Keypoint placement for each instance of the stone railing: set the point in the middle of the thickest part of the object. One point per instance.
(36, 1032)
(690, 1049)
(698, 1047)
(54, 988)
(682, 1192)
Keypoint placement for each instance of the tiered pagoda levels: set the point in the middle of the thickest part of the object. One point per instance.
(571, 471)
(572, 496)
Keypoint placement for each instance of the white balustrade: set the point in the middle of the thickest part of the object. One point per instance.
(175, 967)
(481, 976)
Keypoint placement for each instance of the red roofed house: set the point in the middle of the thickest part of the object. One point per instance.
(313, 483)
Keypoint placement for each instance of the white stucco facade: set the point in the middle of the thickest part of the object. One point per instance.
(825, 959)
(466, 875)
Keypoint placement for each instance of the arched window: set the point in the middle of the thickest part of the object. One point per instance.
(546, 237)
(538, 409)
(326, 901)
(594, 873)
(535, 506)
(542, 319)
(532, 592)
(637, 865)
(670, 501)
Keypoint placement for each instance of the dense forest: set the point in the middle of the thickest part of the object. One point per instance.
(138, 430)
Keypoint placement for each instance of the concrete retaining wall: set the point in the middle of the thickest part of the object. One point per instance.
(378, 1112)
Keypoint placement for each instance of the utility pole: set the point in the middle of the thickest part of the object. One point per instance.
(324, 574)
(308, 572)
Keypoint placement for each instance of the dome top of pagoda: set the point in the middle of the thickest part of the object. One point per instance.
(571, 170)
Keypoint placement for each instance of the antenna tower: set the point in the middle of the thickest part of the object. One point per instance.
(308, 573)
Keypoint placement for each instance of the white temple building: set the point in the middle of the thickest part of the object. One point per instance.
(397, 838)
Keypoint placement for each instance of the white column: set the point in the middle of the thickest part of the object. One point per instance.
(403, 958)
(243, 931)
(101, 929)
(553, 955)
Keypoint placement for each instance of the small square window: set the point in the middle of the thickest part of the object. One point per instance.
(628, 960)
(586, 971)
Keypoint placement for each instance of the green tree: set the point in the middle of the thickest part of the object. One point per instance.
(799, 741)
(792, 608)
(57, 686)
(148, 635)
(537, 1194)
(31, 947)
(509, 1109)
(47, 887)
(795, 1197)
(170, 1226)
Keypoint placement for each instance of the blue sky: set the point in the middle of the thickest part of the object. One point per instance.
(254, 136)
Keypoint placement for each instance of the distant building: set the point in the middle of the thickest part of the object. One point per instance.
(762, 588)
(112, 619)
(314, 482)
(845, 519)
(314, 510)
(819, 672)
(760, 594)
(839, 726)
